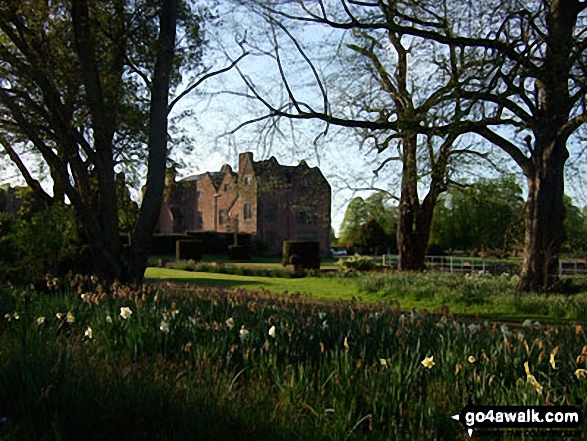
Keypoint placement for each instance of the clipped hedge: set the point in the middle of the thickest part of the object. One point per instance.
(165, 243)
(302, 254)
(239, 252)
(189, 250)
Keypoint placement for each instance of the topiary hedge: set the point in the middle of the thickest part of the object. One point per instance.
(302, 254)
(189, 250)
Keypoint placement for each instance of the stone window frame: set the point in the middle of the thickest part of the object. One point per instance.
(247, 211)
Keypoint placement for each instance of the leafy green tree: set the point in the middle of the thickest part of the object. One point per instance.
(484, 215)
(370, 223)
(355, 215)
(575, 225)
(374, 239)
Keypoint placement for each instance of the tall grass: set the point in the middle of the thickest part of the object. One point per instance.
(199, 363)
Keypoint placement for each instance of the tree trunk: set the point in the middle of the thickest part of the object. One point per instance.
(544, 217)
(545, 212)
(412, 239)
(153, 195)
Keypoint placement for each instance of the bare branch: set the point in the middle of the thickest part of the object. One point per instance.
(204, 78)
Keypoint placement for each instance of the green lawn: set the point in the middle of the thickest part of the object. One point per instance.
(319, 288)
(491, 298)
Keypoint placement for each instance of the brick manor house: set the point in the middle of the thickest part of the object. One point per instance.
(274, 202)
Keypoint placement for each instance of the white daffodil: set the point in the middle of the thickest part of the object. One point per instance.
(89, 333)
(272, 331)
(164, 327)
(108, 319)
(125, 312)
(230, 323)
(243, 334)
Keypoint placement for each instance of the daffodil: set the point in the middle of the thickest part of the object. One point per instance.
(383, 361)
(527, 368)
(428, 362)
(16, 316)
(230, 323)
(108, 319)
(40, 320)
(70, 317)
(552, 355)
(471, 359)
(243, 334)
(581, 373)
(88, 333)
(272, 331)
(531, 379)
(164, 327)
(125, 312)
(59, 315)
(346, 343)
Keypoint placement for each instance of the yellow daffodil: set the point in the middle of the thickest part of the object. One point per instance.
(383, 361)
(88, 333)
(125, 312)
(552, 355)
(59, 315)
(531, 379)
(346, 343)
(164, 327)
(581, 373)
(272, 331)
(428, 362)
(70, 317)
(40, 320)
(472, 359)
(230, 323)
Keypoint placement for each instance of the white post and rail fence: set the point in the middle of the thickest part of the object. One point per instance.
(576, 267)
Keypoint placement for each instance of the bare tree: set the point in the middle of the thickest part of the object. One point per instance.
(393, 107)
(517, 80)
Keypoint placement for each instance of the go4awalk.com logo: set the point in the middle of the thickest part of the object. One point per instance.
(541, 418)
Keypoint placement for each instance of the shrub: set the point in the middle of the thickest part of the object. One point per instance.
(357, 263)
(47, 241)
